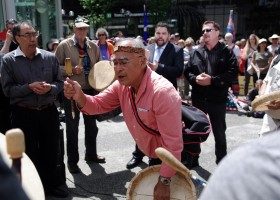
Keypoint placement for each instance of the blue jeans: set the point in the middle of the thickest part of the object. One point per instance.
(72, 130)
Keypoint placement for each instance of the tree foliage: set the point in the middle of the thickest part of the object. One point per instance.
(159, 10)
(97, 10)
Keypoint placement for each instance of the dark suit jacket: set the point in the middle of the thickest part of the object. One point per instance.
(173, 60)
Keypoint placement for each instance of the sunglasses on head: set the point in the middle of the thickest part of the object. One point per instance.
(81, 20)
(207, 30)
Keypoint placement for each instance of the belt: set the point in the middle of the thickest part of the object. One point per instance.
(39, 108)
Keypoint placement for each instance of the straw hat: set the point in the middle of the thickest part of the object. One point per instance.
(262, 40)
(274, 36)
(52, 42)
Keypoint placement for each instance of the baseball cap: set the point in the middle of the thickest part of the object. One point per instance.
(81, 22)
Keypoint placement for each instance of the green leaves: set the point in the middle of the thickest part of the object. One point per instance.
(97, 11)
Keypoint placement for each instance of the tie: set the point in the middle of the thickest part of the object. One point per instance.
(157, 54)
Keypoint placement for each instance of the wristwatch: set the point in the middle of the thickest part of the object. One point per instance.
(165, 181)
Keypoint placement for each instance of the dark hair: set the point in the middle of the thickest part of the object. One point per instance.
(215, 24)
(163, 25)
(16, 28)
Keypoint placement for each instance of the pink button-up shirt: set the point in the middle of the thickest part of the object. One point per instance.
(159, 107)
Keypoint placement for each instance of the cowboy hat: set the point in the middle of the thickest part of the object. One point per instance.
(262, 40)
(274, 36)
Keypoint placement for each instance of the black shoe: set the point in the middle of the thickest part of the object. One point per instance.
(154, 161)
(134, 162)
(96, 159)
(57, 192)
(191, 161)
(73, 168)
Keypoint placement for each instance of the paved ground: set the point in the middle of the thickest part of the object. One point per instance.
(109, 181)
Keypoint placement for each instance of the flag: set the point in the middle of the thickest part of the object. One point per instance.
(145, 33)
(230, 26)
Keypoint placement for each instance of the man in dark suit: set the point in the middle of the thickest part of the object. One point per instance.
(166, 59)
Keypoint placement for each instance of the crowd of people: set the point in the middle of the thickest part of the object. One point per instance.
(153, 76)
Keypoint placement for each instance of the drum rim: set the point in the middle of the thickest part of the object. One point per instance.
(259, 104)
(91, 77)
(155, 168)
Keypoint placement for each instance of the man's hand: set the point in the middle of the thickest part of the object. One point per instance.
(40, 87)
(274, 105)
(161, 191)
(203, 79)
(153, 66)
(73, 90)
(77, 69)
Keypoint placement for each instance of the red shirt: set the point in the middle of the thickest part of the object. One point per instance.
(159, 107)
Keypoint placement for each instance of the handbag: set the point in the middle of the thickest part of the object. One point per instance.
(250, 70)
(196, 128)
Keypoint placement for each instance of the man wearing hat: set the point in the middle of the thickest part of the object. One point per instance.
(274, 39)
(83, 54)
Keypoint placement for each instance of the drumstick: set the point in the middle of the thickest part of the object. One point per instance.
(81, 55)
(15, 148)
(68, 71)
(173, 162)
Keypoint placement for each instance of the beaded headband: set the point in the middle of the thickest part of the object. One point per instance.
(129, 49)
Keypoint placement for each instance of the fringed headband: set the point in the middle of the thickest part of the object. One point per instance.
(129, 49)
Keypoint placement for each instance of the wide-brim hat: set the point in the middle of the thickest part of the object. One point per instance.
(81, 22)
(262, 40)
(52, 42)
(274, 36)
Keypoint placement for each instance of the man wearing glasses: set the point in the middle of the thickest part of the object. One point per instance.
(210, 70)
(31, 78)
(155, 99)
(83, 54)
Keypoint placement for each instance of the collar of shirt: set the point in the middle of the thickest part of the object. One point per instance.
(86, 41)
(18, 52)
(162, 47)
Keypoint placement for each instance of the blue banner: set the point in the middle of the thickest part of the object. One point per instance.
(230, 26)
(145, 31)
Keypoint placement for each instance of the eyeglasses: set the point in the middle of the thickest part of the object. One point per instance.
(101, 35)
(207, 30)
(29, 35)
(121, 61)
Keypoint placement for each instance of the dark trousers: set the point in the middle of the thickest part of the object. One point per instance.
(217, 115)
(5, 112)
(72, 130)
(41, 132)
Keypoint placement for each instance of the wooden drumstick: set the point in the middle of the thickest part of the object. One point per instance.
(15, 148)
(81, 56)
(173, 162)
(68, 71)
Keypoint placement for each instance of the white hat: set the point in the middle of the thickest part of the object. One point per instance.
(52, 42)
(262, 40)
(274, 36)
(228, 35)
(81, 22)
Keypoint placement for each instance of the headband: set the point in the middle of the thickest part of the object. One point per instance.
(129, 49)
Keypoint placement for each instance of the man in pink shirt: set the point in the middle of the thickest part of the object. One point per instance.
(157, 103)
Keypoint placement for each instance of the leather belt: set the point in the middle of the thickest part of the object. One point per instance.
(39, 108)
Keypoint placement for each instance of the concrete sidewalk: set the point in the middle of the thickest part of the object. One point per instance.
(109, 181)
